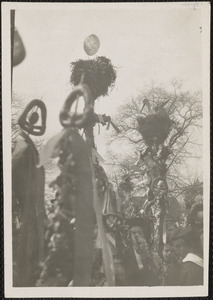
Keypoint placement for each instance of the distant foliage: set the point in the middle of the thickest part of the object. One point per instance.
(18, 104)
(126, 184)
(193, 194)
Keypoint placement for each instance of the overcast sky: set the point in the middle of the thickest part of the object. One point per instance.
(146, 44)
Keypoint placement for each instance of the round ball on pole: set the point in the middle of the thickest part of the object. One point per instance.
(91, 44)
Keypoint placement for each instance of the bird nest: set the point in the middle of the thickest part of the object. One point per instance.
(99, 74)
(154, 128)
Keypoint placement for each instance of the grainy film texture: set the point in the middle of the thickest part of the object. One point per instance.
(107, 139)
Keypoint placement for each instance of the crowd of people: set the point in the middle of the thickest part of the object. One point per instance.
(184, 254)
(182, 260)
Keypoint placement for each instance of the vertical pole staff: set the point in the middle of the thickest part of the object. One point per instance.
(12, 29)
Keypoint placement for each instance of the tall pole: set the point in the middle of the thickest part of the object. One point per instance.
(12, 29)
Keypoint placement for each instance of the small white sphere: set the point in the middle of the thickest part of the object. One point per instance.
(91, 44)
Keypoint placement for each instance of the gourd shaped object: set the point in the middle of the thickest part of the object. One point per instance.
(19, 52)
(112, 220)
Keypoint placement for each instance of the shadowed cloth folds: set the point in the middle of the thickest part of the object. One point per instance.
(28, 212)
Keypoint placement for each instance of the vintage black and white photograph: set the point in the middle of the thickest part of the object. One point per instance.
(106, 149)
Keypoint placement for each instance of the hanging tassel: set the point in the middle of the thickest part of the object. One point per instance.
(19, 52)
(111, 239)
(95, 155)
(115, 127)
(107, 253)
(108, 125)
(101, 119)
(164, 231)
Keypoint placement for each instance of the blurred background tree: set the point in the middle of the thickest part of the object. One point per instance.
(183, 143)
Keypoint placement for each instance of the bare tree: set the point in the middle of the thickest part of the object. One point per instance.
(18, 104)
(185, 111)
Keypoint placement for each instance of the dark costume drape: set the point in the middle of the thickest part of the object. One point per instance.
(135, 276)
(191, 274)
(28, 212)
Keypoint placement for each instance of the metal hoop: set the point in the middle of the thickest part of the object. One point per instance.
(116, 225)
(157, 190)
(77, 120)
(31, 128)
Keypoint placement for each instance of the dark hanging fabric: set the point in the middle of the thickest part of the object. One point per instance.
(84, 233)
(28, 212)
(71, 238)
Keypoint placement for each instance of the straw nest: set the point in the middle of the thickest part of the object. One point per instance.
(154, 128)
(99, 74)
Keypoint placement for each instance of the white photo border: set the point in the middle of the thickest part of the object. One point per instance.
(91, 292)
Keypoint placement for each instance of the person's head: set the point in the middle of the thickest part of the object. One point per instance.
(189, 241)
(169, 254)
(178, 242)
(139, 228)
(179, 248)
(193, 243)
(196, 217)
(137, 234)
